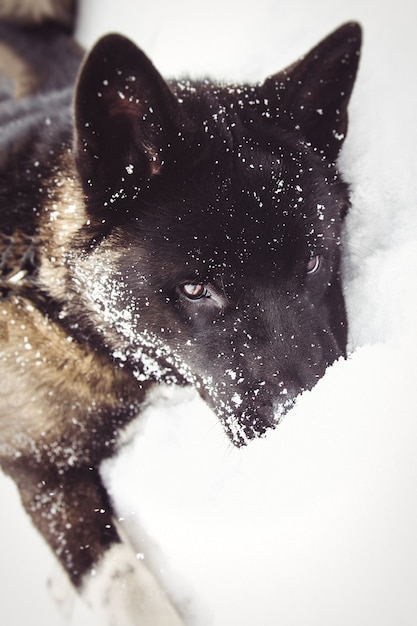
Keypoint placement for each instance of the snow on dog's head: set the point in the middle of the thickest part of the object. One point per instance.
(210, 246)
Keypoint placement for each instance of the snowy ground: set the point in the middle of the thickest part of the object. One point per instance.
(316, 524)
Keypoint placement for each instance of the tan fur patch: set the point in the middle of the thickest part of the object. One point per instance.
(15, 70)
(63, 215)
(50, 382)
(4, 331)
(33, 11)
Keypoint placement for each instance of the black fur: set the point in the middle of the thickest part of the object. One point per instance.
(152, 231)
(233, 188)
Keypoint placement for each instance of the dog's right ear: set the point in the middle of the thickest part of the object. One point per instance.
(125, 118)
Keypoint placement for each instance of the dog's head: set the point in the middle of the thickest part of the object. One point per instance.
(211, 248)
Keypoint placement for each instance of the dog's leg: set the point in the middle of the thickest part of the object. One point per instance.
(123, 587)
(72, 511)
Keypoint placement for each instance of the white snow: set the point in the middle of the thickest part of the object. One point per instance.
(316, 523)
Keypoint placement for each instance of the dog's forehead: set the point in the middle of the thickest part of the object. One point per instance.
(225, 233)
(243, 190)
(256, 206)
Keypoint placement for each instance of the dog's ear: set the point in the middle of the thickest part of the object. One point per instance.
(124, 119)
(314, 92)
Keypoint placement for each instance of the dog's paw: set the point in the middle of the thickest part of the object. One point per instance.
(121, 590)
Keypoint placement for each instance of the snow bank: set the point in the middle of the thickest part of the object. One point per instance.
(314, 524)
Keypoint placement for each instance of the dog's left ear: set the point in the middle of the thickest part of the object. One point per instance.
(313, 94)
(125, 117)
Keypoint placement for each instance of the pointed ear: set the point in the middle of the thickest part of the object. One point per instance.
(125, 115)
(314, 92)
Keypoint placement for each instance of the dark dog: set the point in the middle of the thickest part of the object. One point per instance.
(178, 232)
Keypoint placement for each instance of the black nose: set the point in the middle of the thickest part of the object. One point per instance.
(251, 424)
(260, 417)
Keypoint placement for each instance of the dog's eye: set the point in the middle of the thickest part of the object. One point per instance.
(194, 291)
(314, 264)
